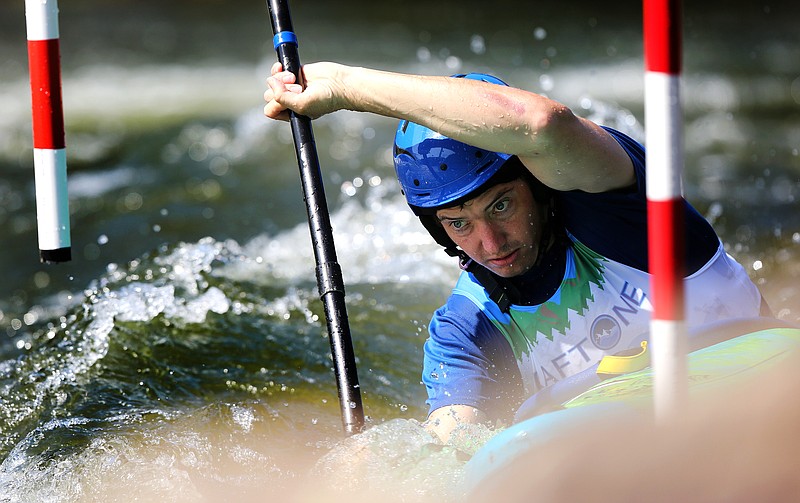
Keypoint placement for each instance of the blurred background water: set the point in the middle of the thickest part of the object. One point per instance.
(181, 354)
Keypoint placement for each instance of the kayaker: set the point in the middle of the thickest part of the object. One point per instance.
(546, 212)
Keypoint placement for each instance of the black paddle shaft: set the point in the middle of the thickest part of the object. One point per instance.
(329, 273)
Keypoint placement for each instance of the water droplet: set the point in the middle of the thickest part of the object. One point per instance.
(477, 44)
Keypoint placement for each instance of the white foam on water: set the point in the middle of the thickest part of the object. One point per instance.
(399, 460)
(378, 240)
(221, 452)
(96, 184)
(114, 99)
(182, 299)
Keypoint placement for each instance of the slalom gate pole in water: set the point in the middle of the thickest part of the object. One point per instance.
(329, 274)
(666, 241)
(49, 145)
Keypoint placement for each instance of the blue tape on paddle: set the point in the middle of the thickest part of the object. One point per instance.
(284, 37)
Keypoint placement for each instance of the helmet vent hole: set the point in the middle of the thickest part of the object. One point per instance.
(478, 154)
(443, 167)
(483, 168)
(416, 182)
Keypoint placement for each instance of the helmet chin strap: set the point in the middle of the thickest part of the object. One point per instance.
(500, 292)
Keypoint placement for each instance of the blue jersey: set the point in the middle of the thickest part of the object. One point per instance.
(479, 356)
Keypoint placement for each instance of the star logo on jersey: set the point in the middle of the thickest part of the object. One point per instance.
(606, 332)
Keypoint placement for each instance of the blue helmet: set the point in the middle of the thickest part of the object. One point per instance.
(435, 170)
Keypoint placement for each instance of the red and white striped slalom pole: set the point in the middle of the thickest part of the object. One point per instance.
(49, 146)
(666, 242)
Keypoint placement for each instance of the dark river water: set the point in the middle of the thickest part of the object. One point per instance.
(182, 353)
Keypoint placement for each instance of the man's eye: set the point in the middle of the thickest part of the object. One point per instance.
(457, 225)
(501, 205)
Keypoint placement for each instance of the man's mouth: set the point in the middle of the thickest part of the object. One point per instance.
(505, 260)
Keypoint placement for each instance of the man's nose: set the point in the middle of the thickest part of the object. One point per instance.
(493, 238)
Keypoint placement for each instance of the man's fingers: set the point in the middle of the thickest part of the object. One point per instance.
(282, 93)
(272, 112)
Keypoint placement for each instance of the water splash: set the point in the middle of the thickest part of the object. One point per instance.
(398, 460)
(63, 357)
(378, 240)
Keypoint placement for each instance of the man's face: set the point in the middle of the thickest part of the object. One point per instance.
(500, 229)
